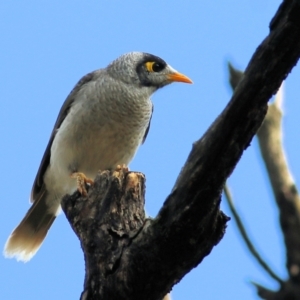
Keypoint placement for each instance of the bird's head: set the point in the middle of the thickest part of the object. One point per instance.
(145, 70)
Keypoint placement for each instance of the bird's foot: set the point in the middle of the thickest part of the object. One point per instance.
(123, 168)
(120, 169)
(82, 180)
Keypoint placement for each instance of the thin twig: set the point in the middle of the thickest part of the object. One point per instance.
(246, 238)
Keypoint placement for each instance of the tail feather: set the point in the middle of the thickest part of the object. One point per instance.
(28, 236)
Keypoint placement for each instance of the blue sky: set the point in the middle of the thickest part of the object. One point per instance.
(46, 46)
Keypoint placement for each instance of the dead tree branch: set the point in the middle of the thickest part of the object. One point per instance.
(270, 142)
(285, 193)
(246, 238)
(283, 186)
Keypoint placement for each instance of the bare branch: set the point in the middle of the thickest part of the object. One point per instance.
(283, 185)
(235, 75)
(287, 291)
(246, 238)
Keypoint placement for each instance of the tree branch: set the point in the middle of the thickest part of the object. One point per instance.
(190, 223)
(246, 238)
(283, 186)
(271, 147)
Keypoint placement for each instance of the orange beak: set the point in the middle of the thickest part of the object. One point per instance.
(178, 77)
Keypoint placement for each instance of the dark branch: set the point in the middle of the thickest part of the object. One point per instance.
(106, 222)
(190, 223)
(246, 238)
(287, 291)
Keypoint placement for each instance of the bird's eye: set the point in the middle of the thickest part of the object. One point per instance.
(154, 66)
(157, 67)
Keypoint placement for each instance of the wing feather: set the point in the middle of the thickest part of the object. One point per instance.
(37, 187)
(148, 128)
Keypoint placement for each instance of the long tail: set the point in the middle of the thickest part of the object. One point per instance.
(27, 238)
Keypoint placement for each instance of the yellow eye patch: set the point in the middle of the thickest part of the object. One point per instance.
(154, 66)
(149, 66)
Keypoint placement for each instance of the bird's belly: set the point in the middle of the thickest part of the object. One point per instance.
(104, 150)
(88, 152)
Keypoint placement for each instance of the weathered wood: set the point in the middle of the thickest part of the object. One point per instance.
(105, 223)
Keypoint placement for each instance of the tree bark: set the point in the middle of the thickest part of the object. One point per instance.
(130, 257)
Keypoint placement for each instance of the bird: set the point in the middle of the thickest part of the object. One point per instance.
(100, 126)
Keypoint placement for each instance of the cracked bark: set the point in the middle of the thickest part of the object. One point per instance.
(130, 257)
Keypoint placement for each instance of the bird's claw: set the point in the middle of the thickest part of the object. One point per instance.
(82, 180)
(123, 168)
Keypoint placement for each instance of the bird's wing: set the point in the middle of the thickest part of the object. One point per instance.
(147, 130)
(37, 187)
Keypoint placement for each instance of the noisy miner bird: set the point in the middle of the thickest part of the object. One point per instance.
(100, 126)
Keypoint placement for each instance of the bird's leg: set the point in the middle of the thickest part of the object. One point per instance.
(82, 180)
